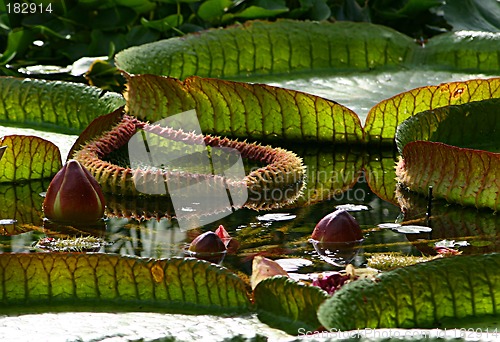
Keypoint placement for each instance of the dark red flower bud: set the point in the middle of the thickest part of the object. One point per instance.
(74, 196)
(208, 242)
(338, 226)
(208, 246)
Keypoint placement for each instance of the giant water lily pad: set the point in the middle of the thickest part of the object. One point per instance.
(28, 157)
(261, 47)
(241, 109)
(346, 47)
(289, 305)
(383, 119)
(53, 105)
(419, 296)
(454, 149)
(58, 281)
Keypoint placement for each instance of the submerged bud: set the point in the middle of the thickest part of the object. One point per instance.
(207, 243)
(74, 196)
(208, 246)
(338, 226)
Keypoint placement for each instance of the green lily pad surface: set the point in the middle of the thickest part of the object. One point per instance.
(419, 296)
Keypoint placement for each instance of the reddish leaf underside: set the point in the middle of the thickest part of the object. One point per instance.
(460, 175)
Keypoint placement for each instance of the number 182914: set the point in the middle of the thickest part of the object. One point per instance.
(28, 8)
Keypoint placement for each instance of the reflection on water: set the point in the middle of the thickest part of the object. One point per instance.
(151, 239)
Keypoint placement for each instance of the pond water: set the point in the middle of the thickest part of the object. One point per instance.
(368, 188)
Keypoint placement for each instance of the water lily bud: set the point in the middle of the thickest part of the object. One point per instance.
(208, 246)
(338, 226)
(206, 243)
(232, 245)
(74, 196)
(223, 234)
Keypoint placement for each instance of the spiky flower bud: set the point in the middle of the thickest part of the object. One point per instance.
(74, 196)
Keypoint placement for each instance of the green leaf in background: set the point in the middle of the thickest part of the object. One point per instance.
(54, 105)
(454, 149)
(463, 50)
(17, 42)
(65, 282)
(244, 110)
(139, 6)
(213, 10)
(287, 304)
(165, 24)
(254, 12)
(112, 18)
(419, 296)
(409, 9)
(317, 9)
(473, 15)
(28, 157)
(261, 47)
(383, 119)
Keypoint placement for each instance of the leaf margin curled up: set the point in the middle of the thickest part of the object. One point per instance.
(436, 151)
(418, 296)
(242, 110)
(57, 106)
(80, 281)
(452, 173)
(384, 118)
(262, 47)
(28, 157)
(287, 304)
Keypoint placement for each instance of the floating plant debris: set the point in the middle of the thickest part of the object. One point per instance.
(7, 221)
(389, 225)
(276, 217)
(390, 261)
(76, 244)
(413, 229)
(352, 207)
